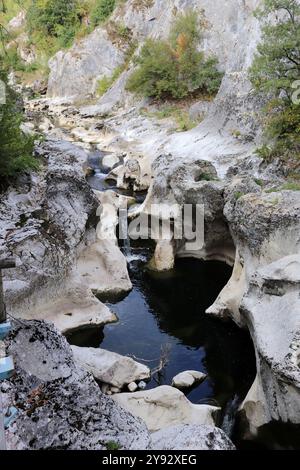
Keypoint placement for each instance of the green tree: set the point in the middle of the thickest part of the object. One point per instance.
(16, 149)
(102, 10)
(175, 68)
(275, 70)
(57, 19)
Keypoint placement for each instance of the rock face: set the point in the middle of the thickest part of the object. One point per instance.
(166, 406)
(77, 308)
(271, 308)
(59, 405)
(101, 265)
(109, 367)
(86, 62)
(43, 222)
(191, 438)
(190, 183)
(263, 296)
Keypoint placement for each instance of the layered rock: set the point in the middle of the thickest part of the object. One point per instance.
(43, 222)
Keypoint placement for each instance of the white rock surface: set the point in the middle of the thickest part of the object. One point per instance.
(86, 62)
(188, 379)
(109, 161)
(77, 308)
(132, 387)
(166, 406)
(109, 367)
(193, 437)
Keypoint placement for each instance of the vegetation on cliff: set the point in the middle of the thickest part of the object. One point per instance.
(175, 68)
(16, 148)
(276, 73)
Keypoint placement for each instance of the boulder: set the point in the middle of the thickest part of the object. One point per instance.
(109, 161)
(101, 265)
(59, 404)
(184, 437)
(188, 379)
(109, 367)
(166, 406)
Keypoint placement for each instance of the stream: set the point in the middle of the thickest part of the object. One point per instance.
(164, 315)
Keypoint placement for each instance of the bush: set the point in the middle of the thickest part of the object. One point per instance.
(53, 23)
(175, 68)
(16, 148)
(102, 10)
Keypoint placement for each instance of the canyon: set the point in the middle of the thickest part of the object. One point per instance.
(70, 279)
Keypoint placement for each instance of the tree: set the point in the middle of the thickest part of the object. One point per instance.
(275, 70)
(15, 148)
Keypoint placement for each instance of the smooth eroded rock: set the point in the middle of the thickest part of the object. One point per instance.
(166, 406)
(109, 367)
(188, 379)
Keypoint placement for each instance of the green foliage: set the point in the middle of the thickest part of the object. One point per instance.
(274, 72)
(112, 445)
(238, 195)
(102, 10)
(53, 23)
(16, 148)
(175, 68)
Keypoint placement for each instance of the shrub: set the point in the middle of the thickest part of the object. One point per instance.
(175, 68)
(16, 148)
(102, 10)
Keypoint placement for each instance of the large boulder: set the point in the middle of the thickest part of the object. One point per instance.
(109, 367)
(166, 406)
(177, 184)
(59, 406)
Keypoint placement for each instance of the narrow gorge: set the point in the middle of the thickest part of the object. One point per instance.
(147, 343)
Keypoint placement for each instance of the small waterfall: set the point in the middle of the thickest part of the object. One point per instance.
(123, 232)
(230, 416)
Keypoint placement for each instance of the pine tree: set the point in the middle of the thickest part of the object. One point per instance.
(275, 72)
